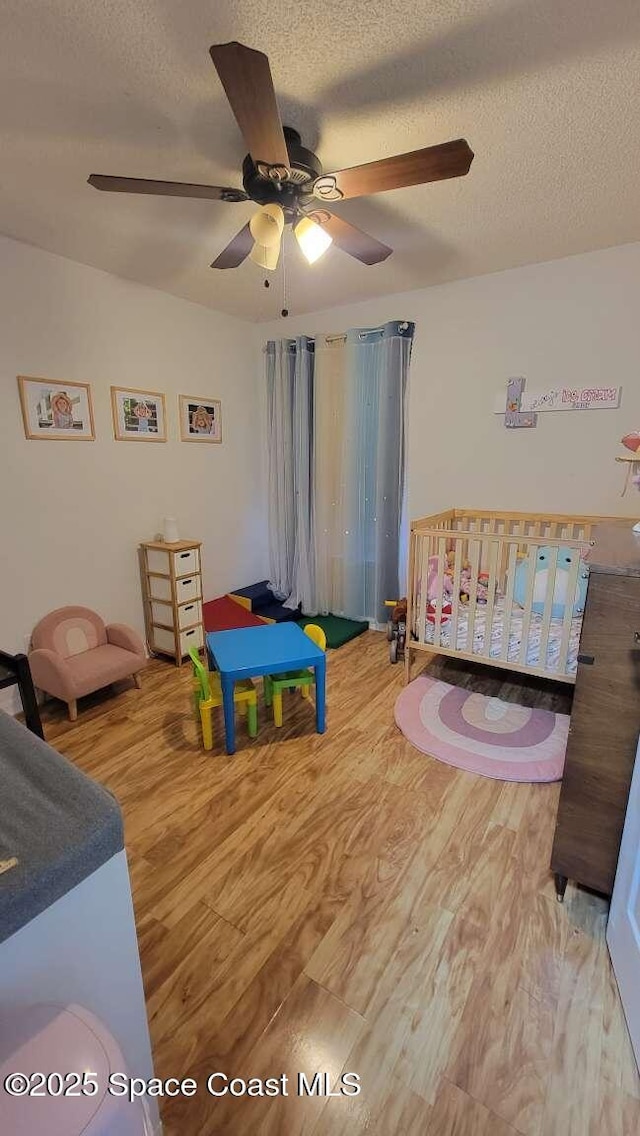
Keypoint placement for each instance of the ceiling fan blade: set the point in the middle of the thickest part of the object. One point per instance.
(351, 239)
(434, 163)
(236, 251)
(246, 77)
(166, 188)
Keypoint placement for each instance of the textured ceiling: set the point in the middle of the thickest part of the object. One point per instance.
(545, 91)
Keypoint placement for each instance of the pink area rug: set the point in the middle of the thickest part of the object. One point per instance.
(482, 735)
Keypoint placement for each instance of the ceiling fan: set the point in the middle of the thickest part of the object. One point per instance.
(288, 181)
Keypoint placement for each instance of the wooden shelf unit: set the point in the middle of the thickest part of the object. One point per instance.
(172, 592)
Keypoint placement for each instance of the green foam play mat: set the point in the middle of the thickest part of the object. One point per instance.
(337, 629)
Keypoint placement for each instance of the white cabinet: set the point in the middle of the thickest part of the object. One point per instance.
(172, 588)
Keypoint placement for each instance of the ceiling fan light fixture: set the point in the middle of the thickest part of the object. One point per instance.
(265, 256)
(312, 238)
(267, 226)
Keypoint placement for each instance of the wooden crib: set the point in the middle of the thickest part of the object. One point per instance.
(477, 553)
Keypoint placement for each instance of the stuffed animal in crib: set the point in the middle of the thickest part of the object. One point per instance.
(465, 582)
(445, 614)
(544, 561)
(482, 586)
(447, 580)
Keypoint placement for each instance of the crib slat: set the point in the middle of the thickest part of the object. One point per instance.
(567, 621)
(546, 612)
(423, 572)
(532, 551)
(491, 595)
(508, 600)
(474, 557)
(437, 627)
(414, 539)
(458, 548)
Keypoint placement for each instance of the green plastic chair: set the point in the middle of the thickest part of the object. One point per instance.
(292, 680)
(207, 695)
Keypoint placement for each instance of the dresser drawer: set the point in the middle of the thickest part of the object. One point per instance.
(164, 640)
(185, 563)
(181, 563)
(164, 614)
(187, 589)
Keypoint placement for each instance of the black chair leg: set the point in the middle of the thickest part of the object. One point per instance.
(28, 695)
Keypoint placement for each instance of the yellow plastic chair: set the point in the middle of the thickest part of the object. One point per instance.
(291, 680)
(207, 695)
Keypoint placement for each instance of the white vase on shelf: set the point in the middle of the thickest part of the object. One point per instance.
(170, 530)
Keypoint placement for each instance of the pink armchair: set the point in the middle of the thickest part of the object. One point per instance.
(73, 653)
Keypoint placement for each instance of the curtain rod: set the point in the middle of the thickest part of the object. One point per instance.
(343, 335)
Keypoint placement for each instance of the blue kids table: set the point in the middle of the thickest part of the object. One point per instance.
(272, 649)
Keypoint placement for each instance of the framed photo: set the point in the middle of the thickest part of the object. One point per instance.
(55, 409)
(138, 415)
(200, 419)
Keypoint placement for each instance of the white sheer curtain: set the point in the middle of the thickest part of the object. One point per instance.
(360, 394)
(329, 482)
(289, 367)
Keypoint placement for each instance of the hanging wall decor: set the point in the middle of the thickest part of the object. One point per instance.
(515, 418)
(200, 418)
(57, 410)
(138, 415)
(528, 403)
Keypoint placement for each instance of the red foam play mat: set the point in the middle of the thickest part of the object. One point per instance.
(225, 614)
(481, 734)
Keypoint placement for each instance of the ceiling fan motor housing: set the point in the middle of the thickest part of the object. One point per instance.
(273, 185)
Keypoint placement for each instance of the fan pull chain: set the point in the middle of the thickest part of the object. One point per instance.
(285, 309)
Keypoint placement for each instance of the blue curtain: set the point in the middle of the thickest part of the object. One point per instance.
(377, 372)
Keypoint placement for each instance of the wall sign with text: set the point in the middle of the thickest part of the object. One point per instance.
(557, 398)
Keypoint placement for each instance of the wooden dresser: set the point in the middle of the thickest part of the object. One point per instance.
(605, 720)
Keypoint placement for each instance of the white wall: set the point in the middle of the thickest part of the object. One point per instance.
(73, 513)
(568, 321)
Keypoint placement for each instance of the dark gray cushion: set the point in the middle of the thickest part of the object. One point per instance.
(58, 823)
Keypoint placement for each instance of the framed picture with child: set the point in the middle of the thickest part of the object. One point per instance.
(56, 409)
(138, 415)
(200, 419)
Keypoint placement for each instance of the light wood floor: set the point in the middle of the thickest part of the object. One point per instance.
(344, 903)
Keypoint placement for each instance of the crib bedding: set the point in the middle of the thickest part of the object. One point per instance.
(515, 637)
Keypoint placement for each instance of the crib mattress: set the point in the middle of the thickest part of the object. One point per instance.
(515, 630)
